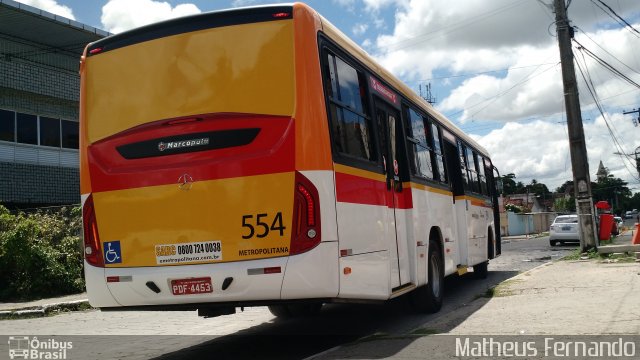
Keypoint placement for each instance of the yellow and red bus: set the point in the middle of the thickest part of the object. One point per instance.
(257, 156)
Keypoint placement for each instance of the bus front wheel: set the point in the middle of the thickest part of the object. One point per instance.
(428, 298)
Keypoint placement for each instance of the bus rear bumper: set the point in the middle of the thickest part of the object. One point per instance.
(300, 277)
(97, 290)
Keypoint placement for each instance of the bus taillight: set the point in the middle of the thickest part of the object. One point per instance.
(311, 216)
(306, 216)
(91, 239)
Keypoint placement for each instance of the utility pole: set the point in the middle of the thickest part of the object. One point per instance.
(428, 96)
(577, 146)
(637, 156)
(636, 122)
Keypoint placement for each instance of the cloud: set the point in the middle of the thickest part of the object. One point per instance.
(460, 37)
(376, 5)
(241, 3)
(51, 6)
(359, 29)
(440, 39)
(122, 15)
(540, 149)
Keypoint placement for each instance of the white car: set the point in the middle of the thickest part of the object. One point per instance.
(564, 229)
(618, 221)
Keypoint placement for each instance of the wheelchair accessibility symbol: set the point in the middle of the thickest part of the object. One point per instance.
(112, 253)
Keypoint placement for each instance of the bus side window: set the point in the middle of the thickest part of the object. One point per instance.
(463, 165)
(437, 154)
(492, 186)
(419, 157)
(471, 171)
(482, 178)
(350, 124)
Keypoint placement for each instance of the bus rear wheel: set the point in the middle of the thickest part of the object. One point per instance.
(280, 311)
(295, 310)
(428, 298)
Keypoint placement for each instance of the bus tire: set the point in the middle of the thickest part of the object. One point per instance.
(304, 310)
(481, 271)
(428, 298)
(280, 311)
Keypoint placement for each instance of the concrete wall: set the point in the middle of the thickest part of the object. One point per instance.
(542, 221)
(529, 223)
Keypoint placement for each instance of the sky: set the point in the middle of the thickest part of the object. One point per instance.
(493, 67)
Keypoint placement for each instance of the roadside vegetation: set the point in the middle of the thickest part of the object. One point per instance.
(500, 290)
(562, 200)
(593, 254)
(40, 253)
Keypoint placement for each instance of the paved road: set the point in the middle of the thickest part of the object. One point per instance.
(255, 333)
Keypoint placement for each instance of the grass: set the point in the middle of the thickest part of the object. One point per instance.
(424, 332)
(593, 254)
(500, 290)
(577, 255)
(37, 312)
(384, 336)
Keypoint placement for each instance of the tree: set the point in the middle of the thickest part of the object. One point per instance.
(612, 190)
(565, 204)
(632, 202)
(510, 185)
(538, 188)
(566, 188)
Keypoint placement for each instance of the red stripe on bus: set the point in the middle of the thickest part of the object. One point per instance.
(272, 151)
(360, 190)
(404, 199)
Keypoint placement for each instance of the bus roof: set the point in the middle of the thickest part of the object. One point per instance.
(267, 13)
(191, 23)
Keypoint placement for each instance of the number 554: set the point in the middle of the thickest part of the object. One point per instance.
(258, 225)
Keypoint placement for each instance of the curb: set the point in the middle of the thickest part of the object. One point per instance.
(45, 310)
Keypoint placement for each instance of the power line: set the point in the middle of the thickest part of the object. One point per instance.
(593, 92)
(610, 54)
(629, 26)
(494, 98)
(414, 40)
(485, 72)
(606, 65)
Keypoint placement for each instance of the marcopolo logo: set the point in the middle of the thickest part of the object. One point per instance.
(25, 347)
(172, 145)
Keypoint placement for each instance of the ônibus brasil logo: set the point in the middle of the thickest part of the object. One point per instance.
(24, 347)
(172, 145)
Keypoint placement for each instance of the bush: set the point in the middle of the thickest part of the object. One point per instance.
(513, 208)
(40, 254)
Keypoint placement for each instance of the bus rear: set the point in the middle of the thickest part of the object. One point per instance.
(190, 189)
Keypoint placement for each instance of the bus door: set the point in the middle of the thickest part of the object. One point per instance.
(460, 204)
(391, 142)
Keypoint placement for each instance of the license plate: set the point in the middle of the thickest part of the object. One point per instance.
(191, 286)
(566, 228)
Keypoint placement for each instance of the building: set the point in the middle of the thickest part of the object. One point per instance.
(39, 90)
(602, 173)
